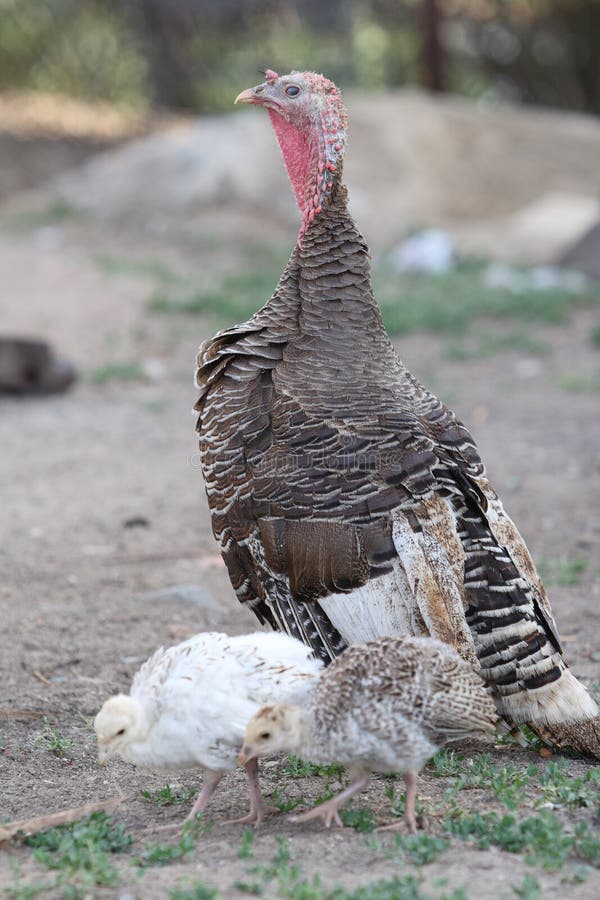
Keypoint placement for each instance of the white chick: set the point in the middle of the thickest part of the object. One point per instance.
(189, 706)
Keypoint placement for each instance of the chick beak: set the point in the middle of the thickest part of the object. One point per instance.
(103, 756)
(246, 754)
(252, 95)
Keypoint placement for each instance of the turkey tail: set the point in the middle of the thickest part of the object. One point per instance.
(509, 635)
(516, 643)
(583, 737)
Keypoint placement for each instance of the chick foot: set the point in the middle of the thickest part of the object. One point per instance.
(329, 811)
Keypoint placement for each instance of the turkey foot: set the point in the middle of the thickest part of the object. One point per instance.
(329, 811)
(410, 821)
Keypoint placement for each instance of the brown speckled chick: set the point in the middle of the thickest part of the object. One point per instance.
(385, 706)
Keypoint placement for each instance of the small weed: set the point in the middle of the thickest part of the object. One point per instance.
(444, 304)
(55, 213)
(18, 891)
(161, 854)
(566, 572)
(359, 818)
(297, 768)
(291, 885)
(51, 740)
(595, 336)
(488, 344)
(529, 889)
(27, 891)
(124, 371)
(587, 844)
(541, 838)
(445, 763)
(196, 891)
(285, 804)
(576, 383)
(81, 852)
(420, 849)
(151, 268)
(451, 303)
(506, 781)
(246, 849)
(398, 802)
(166, 796)
(563, 789)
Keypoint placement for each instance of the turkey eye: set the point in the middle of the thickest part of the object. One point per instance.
(292, 90)
(265, 735)
(120, 731)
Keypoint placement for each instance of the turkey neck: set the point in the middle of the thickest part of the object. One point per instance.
(334, 274)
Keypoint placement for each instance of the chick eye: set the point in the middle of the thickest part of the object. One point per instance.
(265, 735)
(292, 90)
(120, 731)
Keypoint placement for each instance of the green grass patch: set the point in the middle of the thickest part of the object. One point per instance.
(246, 848)
(161, 854)
(298, 768)
(166, 796)
(198, 891)
(529, 889)
(419, 849)
(541, 838)
(284, 803)
(450, 303)
(575, 383)
(562, 789)
(146, 268)
(81, 853)
(445, 304)
(566, 572)
(281, 878)
(506, 781)
(360, 818)
(489, 344)
(116, 371)
(52, 741)
(58, 212)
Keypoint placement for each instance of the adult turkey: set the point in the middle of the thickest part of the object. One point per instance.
(348, 501)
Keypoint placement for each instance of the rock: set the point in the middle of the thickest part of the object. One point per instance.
(538, 278)
(31, 367)
(430, 251)
(184, 593)
(584, 254)
(537, 233)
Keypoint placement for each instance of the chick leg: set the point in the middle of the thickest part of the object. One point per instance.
(208, 788)
(329, 811)
(209, 784)
(258, 809)
(410, 816)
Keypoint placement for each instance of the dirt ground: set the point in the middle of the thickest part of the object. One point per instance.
(84, 597)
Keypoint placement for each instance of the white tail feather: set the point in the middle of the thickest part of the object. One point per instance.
(562, 702)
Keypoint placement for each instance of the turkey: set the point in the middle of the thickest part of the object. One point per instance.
(385, 706)
(189, 705)
(348, 501)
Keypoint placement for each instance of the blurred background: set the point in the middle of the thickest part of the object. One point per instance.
(193, 54)
(473, 163)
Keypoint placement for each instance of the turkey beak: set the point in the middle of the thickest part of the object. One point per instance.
(253, 95)
(246, 754)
